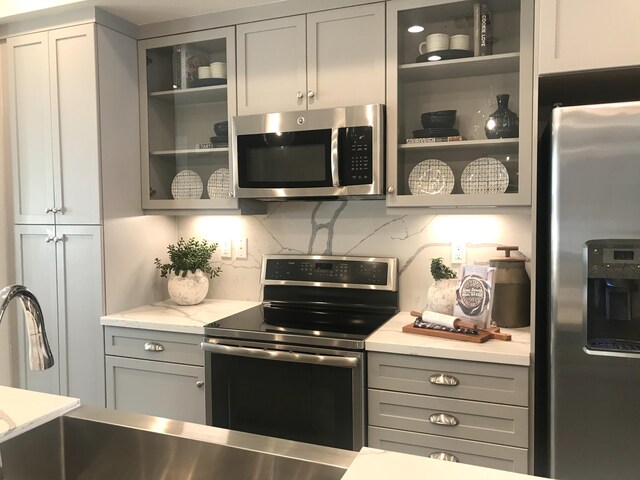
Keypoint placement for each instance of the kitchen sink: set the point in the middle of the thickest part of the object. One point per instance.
(96, 443)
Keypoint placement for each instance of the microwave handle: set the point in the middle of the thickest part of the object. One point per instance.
(336, 144)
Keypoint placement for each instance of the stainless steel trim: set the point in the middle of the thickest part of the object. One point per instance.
(335, 175)
(443, 419)
(392, 276)
(330, 361)
(153, 347)
(447, 457)
(443, 379)
(333, 118)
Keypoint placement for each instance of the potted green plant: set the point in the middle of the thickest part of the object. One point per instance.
(441, 296)
(189, 270)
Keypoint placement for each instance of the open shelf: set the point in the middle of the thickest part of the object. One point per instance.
(189, 151)
(187, 96)
(461, 67)
(498, 146)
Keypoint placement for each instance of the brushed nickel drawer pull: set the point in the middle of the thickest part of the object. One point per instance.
(447, 457)
(153, 347)
(443, 379)
(443, 419)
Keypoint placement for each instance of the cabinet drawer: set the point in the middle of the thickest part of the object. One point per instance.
(488, 455)
(154, 345)
(487, 382)
(487, 422)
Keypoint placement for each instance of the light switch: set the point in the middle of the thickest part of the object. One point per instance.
(241, 248)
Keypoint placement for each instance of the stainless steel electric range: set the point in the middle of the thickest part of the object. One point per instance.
(293, 367)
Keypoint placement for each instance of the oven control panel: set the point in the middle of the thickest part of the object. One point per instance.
(328, 271)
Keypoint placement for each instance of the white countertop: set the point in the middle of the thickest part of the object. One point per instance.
(374, 464)
(22, 410)
(390, 338)
(168, 316)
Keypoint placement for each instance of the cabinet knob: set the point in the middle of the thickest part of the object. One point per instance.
(58, 239)
(49, 238)
(153, 347)
(199, 384)
(56, 210)
(447, 457)
(443, 419)
(390, 190)
(443, 379)
(299, 95)
(310, 94)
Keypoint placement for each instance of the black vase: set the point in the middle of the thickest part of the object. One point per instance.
(502, 123)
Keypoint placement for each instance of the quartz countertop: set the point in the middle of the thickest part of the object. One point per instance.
(168, 316)
(390, 338)
(22, 410)
(374, 464)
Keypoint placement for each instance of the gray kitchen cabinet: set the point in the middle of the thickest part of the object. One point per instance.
(185, 164)
(428, 169)
(62, 265)
(470, 412)
(326, 59)
(54, 133)
(74, 139)
(575, 35)
(155, 373)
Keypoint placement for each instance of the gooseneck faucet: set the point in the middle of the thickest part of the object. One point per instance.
(40, 356)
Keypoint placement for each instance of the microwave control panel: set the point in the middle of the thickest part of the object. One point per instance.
(356, 155)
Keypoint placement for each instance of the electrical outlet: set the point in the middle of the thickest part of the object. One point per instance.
(241, 248)
(458, 252)
(225, 248)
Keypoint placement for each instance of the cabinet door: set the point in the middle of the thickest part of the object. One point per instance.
(587, 34)
(272, 66)
(30, 127)
(36, 269)
(80, 306)
(156, 388)
(75, 124)
(346, 56)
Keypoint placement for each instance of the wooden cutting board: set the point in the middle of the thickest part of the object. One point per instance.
(482, 336)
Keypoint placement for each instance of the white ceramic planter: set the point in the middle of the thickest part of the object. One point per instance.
(441, 296)
(190, 289)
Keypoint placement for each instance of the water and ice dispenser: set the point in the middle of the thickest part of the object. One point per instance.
(613, 296)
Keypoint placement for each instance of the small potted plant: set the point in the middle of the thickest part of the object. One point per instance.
(441, 296)
(189, 270)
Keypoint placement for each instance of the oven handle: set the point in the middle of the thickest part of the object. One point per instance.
(326, 360)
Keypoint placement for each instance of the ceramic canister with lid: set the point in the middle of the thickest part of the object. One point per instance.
(512, 290)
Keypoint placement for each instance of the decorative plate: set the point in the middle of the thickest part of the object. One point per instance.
(431, 177)
(218, 184)
(485, 175)
(187, 184)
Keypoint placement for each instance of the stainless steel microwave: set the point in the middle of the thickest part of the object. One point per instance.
(336, 152)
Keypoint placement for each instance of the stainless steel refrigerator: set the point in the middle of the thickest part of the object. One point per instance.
(589, 342)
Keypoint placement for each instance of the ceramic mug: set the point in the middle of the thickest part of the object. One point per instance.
(204, 72)
(434, 43)
(218, 69)
(459, 42)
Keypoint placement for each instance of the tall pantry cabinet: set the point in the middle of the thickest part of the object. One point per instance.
(73, 133)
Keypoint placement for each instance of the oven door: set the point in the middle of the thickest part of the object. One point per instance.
(297, 393)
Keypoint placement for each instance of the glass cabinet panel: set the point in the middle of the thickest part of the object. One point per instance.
(189, 96)
(454, 144)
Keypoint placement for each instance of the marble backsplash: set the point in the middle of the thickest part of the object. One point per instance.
(354, 228)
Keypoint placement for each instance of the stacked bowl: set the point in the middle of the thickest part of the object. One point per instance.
(437, 124)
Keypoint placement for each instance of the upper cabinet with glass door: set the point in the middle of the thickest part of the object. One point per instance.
(454, 146)
(187, 85)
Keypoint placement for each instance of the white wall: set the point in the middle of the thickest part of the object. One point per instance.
(354, 228)
(5, 231)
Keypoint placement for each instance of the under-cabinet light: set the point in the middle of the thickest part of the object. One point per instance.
(434, 58)
(415, 29)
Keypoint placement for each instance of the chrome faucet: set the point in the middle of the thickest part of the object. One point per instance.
(40, 356)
